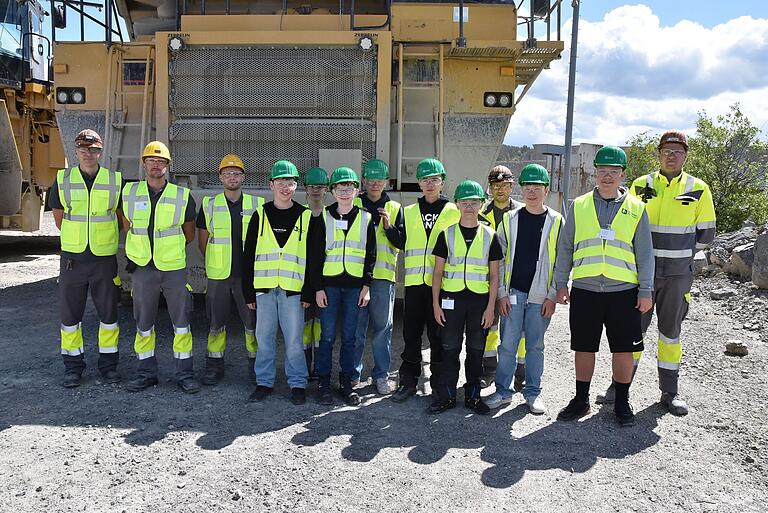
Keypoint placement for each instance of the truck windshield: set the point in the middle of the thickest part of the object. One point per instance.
(10, 28)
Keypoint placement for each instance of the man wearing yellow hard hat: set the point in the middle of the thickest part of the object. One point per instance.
(221, 227)
(160, 223)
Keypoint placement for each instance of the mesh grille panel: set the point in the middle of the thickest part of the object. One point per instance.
(197, 146)
(273, 82)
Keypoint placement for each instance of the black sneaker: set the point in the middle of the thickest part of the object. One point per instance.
(212, 376)
(324, 395)
(259, 394)
(111, 377)
(624, 415)
(477, 405)
(350, 397)
(519, 382)
(441, 404)
(575, 410)
(298, 396)
(71, 380)
(403, 392)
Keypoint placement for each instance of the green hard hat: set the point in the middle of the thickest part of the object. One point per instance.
(344, 174)
(534, 173)
(429, 167)
(316, 176)
(284, 169)
(611, 156)
(468, 189)
(376, 169)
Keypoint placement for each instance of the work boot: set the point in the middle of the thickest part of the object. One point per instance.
(212, 375)
(576, 409)
(324, 394)
(298, 396)
(624, 414)
(607, 397)
(442, 400)
(674, 403)
(519, 381)
(403, 393)
(473, 401)
(346, 390)
(189, 385)
(71, 379)
(140, 383)
(261, 393)
(251, 371)
(489, 371)
(111, 377)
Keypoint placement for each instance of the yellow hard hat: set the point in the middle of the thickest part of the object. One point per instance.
(232, 160)
(156, 149)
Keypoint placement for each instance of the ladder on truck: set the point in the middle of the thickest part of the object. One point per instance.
(118, 120)
(431, 52)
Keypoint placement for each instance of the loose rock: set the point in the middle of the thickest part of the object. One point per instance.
(722, 293)
(736, 348)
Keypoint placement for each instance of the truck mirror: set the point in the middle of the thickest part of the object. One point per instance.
(60, 17)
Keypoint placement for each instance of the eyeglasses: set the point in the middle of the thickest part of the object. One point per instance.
(532, 187)
(91, 150)
(432, 180)
(152, 160)
(471, 203)
(230, 174)
(282, 183)
(610, 172)
(672, 153)
(344, 188)
(501, 185)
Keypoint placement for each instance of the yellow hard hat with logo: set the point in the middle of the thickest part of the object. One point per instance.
(156, 149)
(232, 160)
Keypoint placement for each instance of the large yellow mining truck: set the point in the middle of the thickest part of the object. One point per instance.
(30, 146)
(318, 82)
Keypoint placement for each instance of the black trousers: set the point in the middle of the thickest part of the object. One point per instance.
(417, 314)
(465, 319)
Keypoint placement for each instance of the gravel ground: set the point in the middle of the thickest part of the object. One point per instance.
(100, 448)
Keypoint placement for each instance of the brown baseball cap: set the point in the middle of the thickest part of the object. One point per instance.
(673, 136)
(88, 139)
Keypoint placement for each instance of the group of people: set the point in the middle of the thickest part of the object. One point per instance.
(483, 275)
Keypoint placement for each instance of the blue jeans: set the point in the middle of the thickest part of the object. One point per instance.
(273, 308)
(342, 308)
(379, 311)
(524, 317)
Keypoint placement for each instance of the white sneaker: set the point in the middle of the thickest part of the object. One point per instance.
(536, 406)
(496, 399)
(383, 387)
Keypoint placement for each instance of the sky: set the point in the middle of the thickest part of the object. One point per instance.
(651, 66)
(648, 65)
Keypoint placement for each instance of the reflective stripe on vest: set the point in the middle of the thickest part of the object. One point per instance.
(511, 236)
(467, 268)
(90, 218)
(593, 256)
(419, 261)
(284, 267)
(385, 267)
(168, 248)
(218, 251)
(345, 252)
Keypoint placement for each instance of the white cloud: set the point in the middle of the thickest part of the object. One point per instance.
(635, 75)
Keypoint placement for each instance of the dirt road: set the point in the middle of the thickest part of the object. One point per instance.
(100, 448)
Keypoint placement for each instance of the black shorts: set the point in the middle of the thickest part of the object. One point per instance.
(590, 311)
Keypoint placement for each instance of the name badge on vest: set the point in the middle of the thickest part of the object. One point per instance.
(447, 304)
(607, 234)
(142, 205)
(341, 224)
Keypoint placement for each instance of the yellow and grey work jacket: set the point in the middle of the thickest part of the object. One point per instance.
(419, 260)
(682, 216)
(467, 268)
(596, 252)
(90, 218)
(168, 247)
(345, 252)
(218, 250)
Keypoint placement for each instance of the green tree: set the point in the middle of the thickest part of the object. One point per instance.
(728, 155)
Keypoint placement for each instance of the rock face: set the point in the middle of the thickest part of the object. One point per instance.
(742, 259)
(760, 262)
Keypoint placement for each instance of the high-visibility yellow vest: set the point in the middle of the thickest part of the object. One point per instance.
(385, 267)
(419, 261)
(168, 248)
(487, 212)
(345, 252)
(89, 218)
(676, 212)
(467, 268)
(595, 256)
(551, 246)
(283, 267)
(218, 251)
